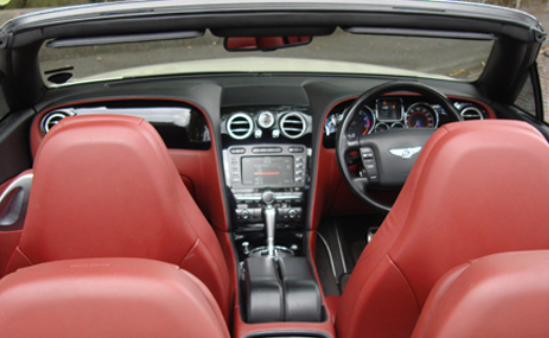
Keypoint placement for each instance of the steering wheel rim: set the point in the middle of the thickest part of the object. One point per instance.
(369, 145)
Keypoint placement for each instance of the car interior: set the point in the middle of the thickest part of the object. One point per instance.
(271, 195)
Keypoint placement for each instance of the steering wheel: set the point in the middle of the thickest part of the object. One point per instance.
(387, 157)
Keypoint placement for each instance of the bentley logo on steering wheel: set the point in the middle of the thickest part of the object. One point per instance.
(405, 153)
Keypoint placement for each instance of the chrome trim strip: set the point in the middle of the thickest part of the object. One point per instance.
(329, 256)
(345, 271)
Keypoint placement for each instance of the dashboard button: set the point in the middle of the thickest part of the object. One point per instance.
(296, 149)
(237, 150)
(256, 213)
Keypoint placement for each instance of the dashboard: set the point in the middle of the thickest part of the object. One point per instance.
(234, 139)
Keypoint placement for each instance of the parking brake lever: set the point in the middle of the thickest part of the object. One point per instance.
(270, 221)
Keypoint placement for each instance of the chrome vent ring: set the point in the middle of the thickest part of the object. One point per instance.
(471, 113)
(240, 126)
(293, 125)
(52, 118)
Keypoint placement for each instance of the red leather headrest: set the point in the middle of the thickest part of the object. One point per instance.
(504, 296)
(105, 186)
(114, 297)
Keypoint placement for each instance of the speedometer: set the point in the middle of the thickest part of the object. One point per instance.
(363, 123)
(421, 115)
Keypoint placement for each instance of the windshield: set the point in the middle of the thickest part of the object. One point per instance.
(340, 52)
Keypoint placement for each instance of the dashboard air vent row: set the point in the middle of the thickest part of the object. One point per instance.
(293, 125)
(240, 126)
(471, 113)
(52, 118)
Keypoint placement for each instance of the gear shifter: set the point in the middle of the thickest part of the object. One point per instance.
(269, 212)
(270, 221)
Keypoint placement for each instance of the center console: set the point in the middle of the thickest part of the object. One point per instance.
(266, 161)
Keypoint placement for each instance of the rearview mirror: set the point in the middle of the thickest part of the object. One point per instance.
(266, 44)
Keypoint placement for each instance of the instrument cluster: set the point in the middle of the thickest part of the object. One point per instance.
(388, 113)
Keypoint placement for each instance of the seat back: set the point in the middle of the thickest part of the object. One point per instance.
(504, 295)
(108, 297)
(477, 188)
(106, 186)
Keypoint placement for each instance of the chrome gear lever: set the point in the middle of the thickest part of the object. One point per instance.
(270, 221)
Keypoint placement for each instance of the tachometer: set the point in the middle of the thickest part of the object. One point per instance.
(421, 115)
(363, 123)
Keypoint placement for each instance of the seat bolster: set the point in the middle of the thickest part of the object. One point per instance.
(331, 303)
(200, 262)
(383, 300)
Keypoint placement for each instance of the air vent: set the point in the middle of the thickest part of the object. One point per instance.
(240, 126)
(51, 119)
(293, 125)
(471, 113)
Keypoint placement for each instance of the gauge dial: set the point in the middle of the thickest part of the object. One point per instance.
(380, 127)
(266, 119)
(362, 123)
(421, 115)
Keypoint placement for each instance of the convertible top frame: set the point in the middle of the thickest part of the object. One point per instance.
(518, 35)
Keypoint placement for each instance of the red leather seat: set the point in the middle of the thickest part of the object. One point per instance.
(108, 297)
(477, 188)
(504, 296)
(105, 186)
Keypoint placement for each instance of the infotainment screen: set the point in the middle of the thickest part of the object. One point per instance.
(267, 170)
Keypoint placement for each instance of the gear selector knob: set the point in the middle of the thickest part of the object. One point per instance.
(268, 197)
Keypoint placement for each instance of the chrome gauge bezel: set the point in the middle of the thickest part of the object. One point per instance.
(374, 120)
(433, 111)
(381, 124)
(398, 123)
(260, 121)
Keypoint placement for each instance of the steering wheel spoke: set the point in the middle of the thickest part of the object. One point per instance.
(386, 157)
(353, 145)
(360, 183)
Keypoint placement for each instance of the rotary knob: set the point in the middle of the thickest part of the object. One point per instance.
(292, 213)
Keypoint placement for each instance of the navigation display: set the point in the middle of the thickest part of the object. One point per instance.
(267, 170)
(389, 110)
